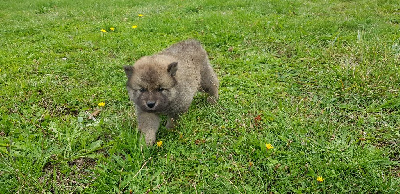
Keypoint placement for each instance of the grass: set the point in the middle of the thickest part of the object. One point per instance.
(318, 80)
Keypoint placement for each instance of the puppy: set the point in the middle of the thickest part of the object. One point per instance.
(165, 84)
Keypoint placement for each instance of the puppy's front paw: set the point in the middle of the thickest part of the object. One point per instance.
(150, 138)
(171, 123)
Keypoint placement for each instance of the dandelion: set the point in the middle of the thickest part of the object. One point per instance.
(0, 70)
(102, 30)
(140, 15)
(101, 104)
(159, 143)
(112, 28)
(134, 27)
(269, 146)
(320, 179)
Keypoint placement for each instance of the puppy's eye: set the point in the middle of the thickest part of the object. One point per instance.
(142, 89)
(160, 89)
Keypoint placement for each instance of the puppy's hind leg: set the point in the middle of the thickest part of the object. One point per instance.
(209, 84)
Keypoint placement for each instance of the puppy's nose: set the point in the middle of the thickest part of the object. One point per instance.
(151, 104)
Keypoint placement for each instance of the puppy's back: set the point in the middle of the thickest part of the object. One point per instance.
(187, 50)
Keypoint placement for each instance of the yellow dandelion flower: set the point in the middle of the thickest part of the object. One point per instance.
(134, 27)
(140, 15)
(102, 104)
(102, 30)
(320, 179)
(112, 28)
(159, 143)
(0, 70)
(269, 146)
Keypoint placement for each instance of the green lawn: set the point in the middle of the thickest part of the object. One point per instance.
(319, 80)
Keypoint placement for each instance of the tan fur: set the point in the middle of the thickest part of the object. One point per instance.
(165, 83)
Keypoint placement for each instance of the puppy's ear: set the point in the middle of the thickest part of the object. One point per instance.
(172, 68)
(128, 71)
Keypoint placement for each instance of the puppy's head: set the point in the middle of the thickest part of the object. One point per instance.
(151, 83)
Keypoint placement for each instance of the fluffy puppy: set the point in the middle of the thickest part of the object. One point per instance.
(165, 84)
